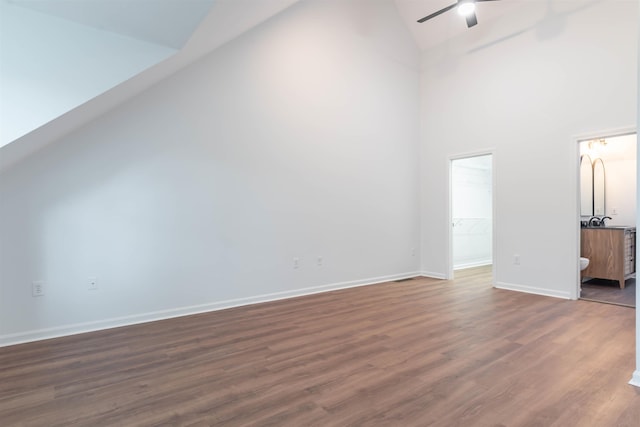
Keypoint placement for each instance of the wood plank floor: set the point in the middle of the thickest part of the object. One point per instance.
(422, 352)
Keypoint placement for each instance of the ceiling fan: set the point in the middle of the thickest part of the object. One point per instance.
(466, 8)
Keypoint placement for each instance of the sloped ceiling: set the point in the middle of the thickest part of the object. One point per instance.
(225, 20)
(166, 22)
(171, 23)
(448, 25)
(59, 54)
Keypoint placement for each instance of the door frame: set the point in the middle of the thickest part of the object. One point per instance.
(574, 292)
(486, 152)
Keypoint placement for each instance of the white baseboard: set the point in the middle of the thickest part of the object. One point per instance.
(78, 328)
(433, 275)
(635, 379)
(533, 290)
(472, 264)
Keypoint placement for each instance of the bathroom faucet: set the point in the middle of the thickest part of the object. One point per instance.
(602, 224)
(594, 221)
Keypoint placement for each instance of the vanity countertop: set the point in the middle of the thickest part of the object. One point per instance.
(613, 227)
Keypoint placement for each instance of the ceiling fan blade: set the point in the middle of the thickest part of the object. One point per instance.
(440, 12)
(471, 20)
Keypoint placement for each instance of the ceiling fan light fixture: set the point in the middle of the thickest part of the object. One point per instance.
(466, 8)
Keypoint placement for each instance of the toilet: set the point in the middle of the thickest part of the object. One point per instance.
(584, 263)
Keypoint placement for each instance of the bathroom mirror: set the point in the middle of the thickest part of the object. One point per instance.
(586, 186)
(598, 188)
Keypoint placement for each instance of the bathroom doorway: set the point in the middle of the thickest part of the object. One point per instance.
(471, 212)
(610, 193)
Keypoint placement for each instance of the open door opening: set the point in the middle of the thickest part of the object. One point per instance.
(608, 215)
(471, 213)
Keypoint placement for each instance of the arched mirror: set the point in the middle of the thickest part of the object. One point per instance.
(598, 188)
(586, 186)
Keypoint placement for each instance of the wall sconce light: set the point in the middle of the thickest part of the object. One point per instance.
(597, 143)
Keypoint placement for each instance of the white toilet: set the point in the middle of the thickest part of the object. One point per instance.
(584, 263)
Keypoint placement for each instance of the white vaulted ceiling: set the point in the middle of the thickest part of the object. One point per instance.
(448, 25)
(118, 48)
(41, 97)
(58, 54)
(203, 23)
(166, 22)
(549, 17)
(37, 79)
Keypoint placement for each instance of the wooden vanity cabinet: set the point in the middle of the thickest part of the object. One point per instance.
(611, 253)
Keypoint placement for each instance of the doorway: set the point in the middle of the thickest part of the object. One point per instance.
(607, 189)
(471, 212)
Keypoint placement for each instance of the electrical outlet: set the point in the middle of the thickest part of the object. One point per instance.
(37, 288)
(296, 263)
(319, 261)
(516, 259)
(92, 283)
(413, 251)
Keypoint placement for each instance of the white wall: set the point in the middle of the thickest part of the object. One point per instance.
(51, 65)
(471, 211)
(525, 85)
(297, 140)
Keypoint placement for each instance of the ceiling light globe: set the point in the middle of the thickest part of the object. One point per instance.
(466, 8)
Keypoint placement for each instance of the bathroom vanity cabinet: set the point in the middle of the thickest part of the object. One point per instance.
(611, 252)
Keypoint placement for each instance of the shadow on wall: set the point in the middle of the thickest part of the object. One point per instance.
(552, 24)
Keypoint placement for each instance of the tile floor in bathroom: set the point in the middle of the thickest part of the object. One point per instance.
(608, 291)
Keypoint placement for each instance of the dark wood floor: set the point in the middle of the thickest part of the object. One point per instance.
(414, 353)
